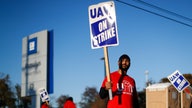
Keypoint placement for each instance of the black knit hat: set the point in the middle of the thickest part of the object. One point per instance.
(124, 56)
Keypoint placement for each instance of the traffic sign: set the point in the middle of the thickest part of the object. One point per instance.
(103, 26)
(178, 81)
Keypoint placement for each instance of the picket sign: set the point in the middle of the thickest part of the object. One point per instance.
(44, 95)
(178, 81)
(103, 26)
(103, 30)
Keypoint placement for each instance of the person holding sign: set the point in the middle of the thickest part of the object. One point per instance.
(123, 87)
(44, 105)
(69, 103)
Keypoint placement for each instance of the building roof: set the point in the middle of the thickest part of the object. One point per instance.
(159, 85)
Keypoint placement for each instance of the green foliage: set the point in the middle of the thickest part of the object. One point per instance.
(91, 99)
(7, 97)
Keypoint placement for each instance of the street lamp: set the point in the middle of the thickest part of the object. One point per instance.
(103, 58)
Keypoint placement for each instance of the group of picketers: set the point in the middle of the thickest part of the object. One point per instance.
(124, 94)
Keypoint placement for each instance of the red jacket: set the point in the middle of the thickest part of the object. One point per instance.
(44, 105)
(124, 91)
(69, 104)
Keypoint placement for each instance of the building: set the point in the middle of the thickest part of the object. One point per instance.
(164, 95)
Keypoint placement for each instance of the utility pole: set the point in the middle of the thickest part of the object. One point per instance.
(146, 77)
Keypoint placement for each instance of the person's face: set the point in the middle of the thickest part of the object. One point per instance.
(124, 65)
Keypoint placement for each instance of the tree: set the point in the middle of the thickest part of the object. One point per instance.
(164, 80)
(99, 103)
(188, 77)
(91, 99)
(151, 81)
(18, 94)
(7, 98)
(21, 101)
(61, 100)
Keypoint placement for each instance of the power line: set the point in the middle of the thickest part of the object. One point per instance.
(164, 10)
(155, 13)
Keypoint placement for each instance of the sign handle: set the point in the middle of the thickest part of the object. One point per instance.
(47, 103)
(107, 69)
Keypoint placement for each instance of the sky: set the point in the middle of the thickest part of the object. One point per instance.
(159, 45)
